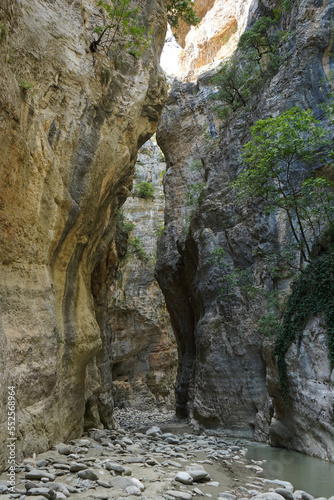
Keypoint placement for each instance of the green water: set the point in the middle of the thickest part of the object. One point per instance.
(310, 474)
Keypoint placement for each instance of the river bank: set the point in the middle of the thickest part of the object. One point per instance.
(151, 456)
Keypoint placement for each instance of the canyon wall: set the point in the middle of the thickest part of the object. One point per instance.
(143, 344)
(215, 38)
(226, 374)
(70, 130)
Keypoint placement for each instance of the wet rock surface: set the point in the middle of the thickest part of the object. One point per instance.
(152, 456)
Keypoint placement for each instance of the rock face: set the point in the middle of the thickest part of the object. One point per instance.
(143, 346)
(308, 424)
(226, 376)
(69, 139)
(216, 36)
(220, 356)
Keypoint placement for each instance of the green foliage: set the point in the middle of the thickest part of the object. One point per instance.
(161, 156)
(136, 248)
(122, 223)
(25, 86)
(281, 264)
(194, 193)
(181, 9)
(273, 158)
(256, 60)
(122, 29)
(160, 229)
(287, 6)
(3, 33)
(261, 42)
(198, 165)
(312, 294)
(270, 323)
(144, 190)
(236, 82)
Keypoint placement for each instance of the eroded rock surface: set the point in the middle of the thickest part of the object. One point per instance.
(143, 343)
(216, 36)
(226, 377)
(69, 139)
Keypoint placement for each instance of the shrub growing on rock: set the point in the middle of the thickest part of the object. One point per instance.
(144, 190)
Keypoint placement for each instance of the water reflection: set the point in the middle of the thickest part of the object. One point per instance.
(305, 473)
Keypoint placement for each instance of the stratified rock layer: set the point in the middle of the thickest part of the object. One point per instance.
(216, 36)
(68, 145)
(143, 343)
(226, 376)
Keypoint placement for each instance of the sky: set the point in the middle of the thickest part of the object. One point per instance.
(170, 54)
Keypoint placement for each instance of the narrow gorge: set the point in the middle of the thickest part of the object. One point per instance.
(140, 275)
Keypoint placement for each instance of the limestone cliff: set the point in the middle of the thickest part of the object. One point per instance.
(70, 131)
(215, 38)
(226, 375)
(143, 344)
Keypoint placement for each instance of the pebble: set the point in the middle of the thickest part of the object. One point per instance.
(133, 490)
(59, 487)
(268, 496)
(184, 478)
(104, 485)
(302, 495)
(64, 449)
(179, 494)
(74, 467)
(198, 474)
(287, 494)
(198, 492)
(88, 474)
(153, 431)
(137, 483)
(39, 474)
(284, 484)
(45, 492)
(115, 467)
(167, 466)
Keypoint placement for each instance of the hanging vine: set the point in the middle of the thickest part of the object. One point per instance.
(312, 294)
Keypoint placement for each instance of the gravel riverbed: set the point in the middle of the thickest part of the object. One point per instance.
(151, 456)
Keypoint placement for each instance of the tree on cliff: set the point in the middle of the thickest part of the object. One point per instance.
(181, 10)
(123, 26)
(281, 151)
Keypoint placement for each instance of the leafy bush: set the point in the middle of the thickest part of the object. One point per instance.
(256, 60)
(136, 247)
(194, 193)
(281, 149)
(144, 190)
(312, 294)
(236, 82)
(122, 29)
(273, 157)
(25, 86)
(261, 42)
(122, 223)
(181, 9)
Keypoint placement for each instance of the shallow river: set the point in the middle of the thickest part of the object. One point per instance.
(306, 473)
